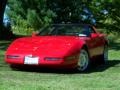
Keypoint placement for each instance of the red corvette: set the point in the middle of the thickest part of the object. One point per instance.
(59, 46)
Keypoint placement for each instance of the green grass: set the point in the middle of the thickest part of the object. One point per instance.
(101, 77)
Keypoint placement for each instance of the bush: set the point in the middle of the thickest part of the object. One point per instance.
(113, 37)
(21, 27)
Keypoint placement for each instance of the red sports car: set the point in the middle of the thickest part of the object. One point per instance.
(59, 46)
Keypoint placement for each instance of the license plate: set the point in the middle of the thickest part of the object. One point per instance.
(31, 60)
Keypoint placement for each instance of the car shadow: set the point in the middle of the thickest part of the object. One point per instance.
(102, 67)
(95, 68)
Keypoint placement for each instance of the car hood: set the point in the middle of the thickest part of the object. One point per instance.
(46, 45)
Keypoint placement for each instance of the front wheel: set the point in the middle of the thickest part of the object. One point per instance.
(83, 61)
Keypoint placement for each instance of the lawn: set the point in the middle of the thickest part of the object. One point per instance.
(101, 77)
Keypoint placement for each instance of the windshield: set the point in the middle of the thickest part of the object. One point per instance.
(67, 30)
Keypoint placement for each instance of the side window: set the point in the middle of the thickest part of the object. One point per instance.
(86, 30)
(91, 30)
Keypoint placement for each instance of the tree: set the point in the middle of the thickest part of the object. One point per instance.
(30, 14)
(5, 32)
(38, 13)
(113, 8)
(67, 10)
(2, 8)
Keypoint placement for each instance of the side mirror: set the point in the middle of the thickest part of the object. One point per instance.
(94, 35)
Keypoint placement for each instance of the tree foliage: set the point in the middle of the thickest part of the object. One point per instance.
(38, 13)
(33, 12)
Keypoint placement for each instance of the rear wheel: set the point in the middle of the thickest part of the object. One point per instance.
(83, 61)
(105, 54)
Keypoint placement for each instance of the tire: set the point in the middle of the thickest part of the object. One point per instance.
(83, 61)
(105, 55)
(13, 67)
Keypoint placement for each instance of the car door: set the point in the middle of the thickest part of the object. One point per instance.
(95, 43)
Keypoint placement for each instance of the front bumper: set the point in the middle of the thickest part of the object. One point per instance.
(41, 62)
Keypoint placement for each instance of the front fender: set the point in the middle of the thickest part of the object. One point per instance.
(75, 49)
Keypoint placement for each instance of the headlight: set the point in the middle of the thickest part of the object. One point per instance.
(71, 57)
(12, 56)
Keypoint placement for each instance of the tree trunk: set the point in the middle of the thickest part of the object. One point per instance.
(2, 9)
